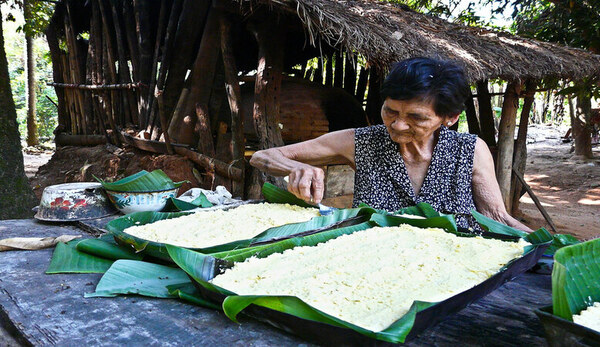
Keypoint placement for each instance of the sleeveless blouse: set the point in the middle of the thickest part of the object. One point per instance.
(381, 179)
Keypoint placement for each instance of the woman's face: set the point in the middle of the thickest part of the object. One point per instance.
(410, 120)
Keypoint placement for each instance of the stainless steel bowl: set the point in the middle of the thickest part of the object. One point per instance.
(73, 202)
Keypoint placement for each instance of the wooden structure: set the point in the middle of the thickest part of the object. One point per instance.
(211, 79)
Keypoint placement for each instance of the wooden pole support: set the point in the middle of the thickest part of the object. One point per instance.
(506, 135)
(537, 202)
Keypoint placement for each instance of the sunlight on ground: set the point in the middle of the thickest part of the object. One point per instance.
(586, 201)
(527, 200)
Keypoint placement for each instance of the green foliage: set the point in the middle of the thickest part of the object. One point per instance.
(15, 54)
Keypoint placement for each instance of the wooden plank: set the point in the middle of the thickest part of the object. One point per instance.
(49, 310)
(506, 135)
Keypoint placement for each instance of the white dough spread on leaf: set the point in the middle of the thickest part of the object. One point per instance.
(372, 277)
(210, 228)
(590, 317)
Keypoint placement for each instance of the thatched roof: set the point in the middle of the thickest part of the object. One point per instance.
(385, 33)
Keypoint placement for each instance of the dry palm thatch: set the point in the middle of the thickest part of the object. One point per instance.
(385, 33)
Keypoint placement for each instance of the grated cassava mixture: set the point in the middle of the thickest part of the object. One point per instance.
(590, 317)
(371, 278)
(211, 228)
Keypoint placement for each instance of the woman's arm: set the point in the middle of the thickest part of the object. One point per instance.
(297, 161)
(486, 191)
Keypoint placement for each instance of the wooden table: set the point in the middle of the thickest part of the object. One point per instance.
(48, 310)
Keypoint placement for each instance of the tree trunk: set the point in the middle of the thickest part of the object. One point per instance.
(16, 197)
(581, 130)
(506, 135)
(32, 136)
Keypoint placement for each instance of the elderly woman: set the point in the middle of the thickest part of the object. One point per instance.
(413, 157)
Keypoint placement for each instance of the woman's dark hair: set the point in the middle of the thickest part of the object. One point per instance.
(442, 82)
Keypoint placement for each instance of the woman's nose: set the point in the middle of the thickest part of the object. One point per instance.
(399, 125)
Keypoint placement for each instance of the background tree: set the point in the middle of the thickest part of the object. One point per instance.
(16, 196)
(575, 23)
(32, 134)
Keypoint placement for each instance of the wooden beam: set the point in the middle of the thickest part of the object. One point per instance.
(234, 96)
(520, 152)
(472, 117)
(537, 202)
(506, 134)
(211, 164)
(266, 94)
(486, 114)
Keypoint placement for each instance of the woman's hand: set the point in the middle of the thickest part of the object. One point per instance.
(297, 161)
(307, 183)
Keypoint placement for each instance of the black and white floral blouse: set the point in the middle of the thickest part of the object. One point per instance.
(381, 179)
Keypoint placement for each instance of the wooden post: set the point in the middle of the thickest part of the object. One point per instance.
(266, 93)
(143, 25)
(361, 86)
(202, 76)
(329, 72)
(349, 75)
(472, 115)
(189, 33)
(520, 152)
(506, 143)
(374, 98)
(580, 125)
(486, 114)
(57, 69)
(234, 96)
(338, 73)
(150, 112)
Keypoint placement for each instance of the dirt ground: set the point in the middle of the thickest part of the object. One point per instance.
(567, 186)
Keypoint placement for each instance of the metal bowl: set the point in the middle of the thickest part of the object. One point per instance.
(129, 202)
(73, 202)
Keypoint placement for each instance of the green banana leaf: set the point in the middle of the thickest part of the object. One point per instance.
(189, 293)
(106, 250)
(576, 278)
(421, 209)
(277, 195)
(142, 181)
(139, 277)
(273, 195)
(88, 256)
(203, 267)
(67, 259)
(177, 205)
(559, 241)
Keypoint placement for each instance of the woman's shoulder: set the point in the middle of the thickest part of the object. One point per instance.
(370, 131)
(462, 138)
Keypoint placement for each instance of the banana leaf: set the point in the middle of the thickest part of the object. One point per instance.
(421, 209)
(559, 241)
(87, 256)
(273, 194)
(177, 205)
(277, 195)
(139, 277)
(142, 181)
(576, 278)
(292, 314)
(67, 259)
